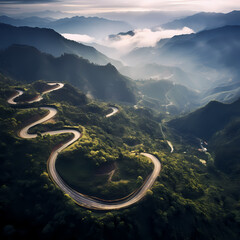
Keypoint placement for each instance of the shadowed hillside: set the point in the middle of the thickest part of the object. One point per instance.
(49, 41)
(103, 82)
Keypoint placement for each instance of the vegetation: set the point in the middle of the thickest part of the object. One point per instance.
(101, 82)
(219, 124)
(168, 96)
(206, 121)
(188, 201)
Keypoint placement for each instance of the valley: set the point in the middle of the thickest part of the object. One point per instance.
(119, 127)
(82, 200)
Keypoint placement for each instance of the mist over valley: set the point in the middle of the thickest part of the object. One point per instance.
(120, 120)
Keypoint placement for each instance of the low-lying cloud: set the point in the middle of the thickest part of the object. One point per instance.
(123, 44)
(78, 37)
(144, 38)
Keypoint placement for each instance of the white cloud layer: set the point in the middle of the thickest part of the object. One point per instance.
(78, 37)
(143, 38)
(123, 44)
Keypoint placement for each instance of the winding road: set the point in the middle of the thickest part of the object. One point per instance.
(164, 137)
(81, 199)
(171, 146)
(115, 110)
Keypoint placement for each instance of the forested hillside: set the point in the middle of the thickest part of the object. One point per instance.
(188, 200)
(102, 82)
(49, 41)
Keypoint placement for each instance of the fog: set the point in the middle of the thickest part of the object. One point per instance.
(142, 38)
(123, 44)
(79, 38)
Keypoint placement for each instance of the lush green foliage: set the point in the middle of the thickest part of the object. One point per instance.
(167, 96)
(188, 200)
(101, 82)
(206, 121)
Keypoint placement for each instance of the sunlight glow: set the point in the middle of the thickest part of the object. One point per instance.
(100, 6)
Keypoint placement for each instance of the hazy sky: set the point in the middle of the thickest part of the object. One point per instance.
(98, 6)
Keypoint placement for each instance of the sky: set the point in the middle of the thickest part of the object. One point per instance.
(101, 6)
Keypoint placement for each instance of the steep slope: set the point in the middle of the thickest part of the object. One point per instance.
(173, 98)
(211, 48)
(49, 41)
(103, 82)
(206, 121)
(188, 200)
(225, 144)
(214, 48)
(157, 72)
(204, 20)
(219, 124)
(212, 57)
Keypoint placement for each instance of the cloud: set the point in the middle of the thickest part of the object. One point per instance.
(123, 44)
(26, 1)
(77, 7)
(78, 37)
(142, 38)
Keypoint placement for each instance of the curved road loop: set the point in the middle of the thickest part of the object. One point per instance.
(81, 199)
(115, 110)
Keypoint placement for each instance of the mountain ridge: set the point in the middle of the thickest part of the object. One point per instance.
(93, 26)
(211, 57)
(206, 121)
(102, 82)
(49, 41)
(205, 20)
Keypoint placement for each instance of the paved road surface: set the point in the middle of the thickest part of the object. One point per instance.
(170, 145)
(12, 99)
(81, 199)
(115, 110)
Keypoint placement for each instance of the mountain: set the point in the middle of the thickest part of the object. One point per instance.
(204, 20)
(187, 201)
(211, 48)
(107, 50)
(167, 96)
(49, 41)
(118, 36)
(41, 14)
(225, 144)
(157, 72)
(217, 48)
(29, 21)
(103, 82)
(227, 92)
(219, 124)
(93, 26)
(211, 56)
(206, 121)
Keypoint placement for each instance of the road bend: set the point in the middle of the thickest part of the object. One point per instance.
(82, 199)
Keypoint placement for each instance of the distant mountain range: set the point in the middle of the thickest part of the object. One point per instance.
(211, 56)
(211, 48)
(202, 21)
(49, 41)
(27, 64)
(146, 19)
(93, 26)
